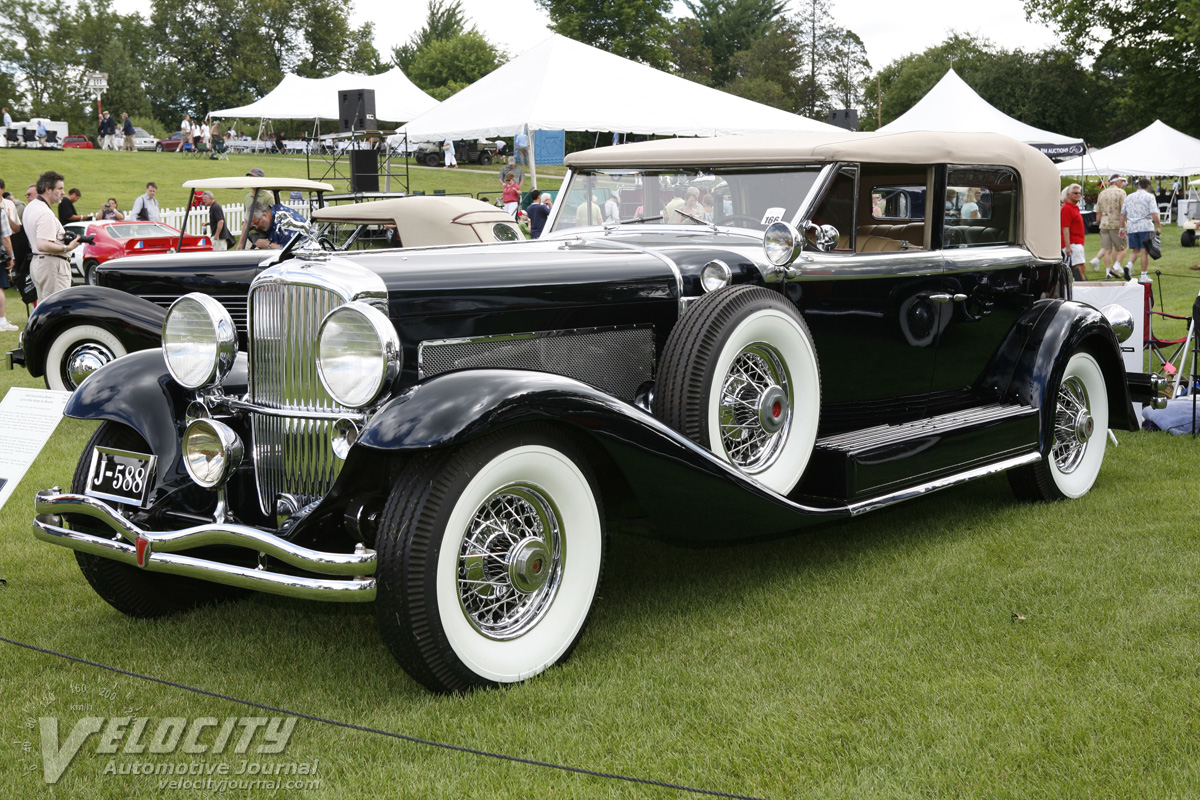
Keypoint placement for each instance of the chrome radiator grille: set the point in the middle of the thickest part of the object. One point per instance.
(292, 451)
(614, 360)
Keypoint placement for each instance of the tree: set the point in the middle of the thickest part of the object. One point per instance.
(445, 66)
(730, 26)
(766, 70)
(635, 29)
(846, 69)
(689, 57)
(1147, 55)
(443, 20)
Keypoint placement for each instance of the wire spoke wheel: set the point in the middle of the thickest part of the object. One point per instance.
(755, 407)
(1073, 425)
(510, 562)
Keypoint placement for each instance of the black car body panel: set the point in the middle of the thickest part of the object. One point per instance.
(136, 322)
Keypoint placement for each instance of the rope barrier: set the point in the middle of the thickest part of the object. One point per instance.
(379, 732)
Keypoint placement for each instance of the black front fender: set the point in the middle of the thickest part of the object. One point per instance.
(690, 492)
(137, 323)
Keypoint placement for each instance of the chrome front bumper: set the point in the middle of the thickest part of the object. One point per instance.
(163, 552)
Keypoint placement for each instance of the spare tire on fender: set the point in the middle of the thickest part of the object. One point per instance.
(740, 377)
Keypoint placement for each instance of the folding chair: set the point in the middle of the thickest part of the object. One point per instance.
(219, 151)
(52, 138)
(1168, 357)
(30, 135)
(200, 151)
(13, 136)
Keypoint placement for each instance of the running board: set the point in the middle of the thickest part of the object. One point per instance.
(890, 458)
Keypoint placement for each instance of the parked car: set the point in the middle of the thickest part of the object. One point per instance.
(169, 144)
(445, 431)
(142, 140)
(77, 141)
(482, 151)
(77, 331)
(116, 239)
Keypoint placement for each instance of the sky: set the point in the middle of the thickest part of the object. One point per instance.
(889, 29)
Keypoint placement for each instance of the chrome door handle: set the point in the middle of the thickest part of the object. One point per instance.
(947, 298)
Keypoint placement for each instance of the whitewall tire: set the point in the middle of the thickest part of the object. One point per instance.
(490, 558)
(78, 351)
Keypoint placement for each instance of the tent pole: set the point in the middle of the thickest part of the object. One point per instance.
(532, 160)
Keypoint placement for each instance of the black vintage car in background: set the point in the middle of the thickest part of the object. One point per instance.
(79, 330)
(719, 339)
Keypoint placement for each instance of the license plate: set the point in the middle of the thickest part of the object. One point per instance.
(121, 476)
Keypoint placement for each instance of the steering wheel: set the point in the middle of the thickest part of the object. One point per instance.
(741, 218)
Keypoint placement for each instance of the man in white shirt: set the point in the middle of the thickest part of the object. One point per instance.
(7, 119)
(203, 134)
(50, 267)
(145, 208)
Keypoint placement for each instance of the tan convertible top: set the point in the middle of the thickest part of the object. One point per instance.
(424, 220)
(1039, 228)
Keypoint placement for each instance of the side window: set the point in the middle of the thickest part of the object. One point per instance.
(980, 206)
(894, 211)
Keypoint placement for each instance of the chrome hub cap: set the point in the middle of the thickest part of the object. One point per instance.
(510, 562)
(1073, 425)
(755, 408)
(84, 360)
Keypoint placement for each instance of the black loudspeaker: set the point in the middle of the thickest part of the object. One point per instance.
(844, 118)
(356, 111)
(364, 170)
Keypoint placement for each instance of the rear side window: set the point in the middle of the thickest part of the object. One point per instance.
(980, 206)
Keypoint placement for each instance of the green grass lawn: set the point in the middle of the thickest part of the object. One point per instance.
(101, 174)
(963, 645)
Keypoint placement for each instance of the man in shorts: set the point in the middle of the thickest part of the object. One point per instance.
(1108, 215)
(1072, 229)
(1139, 218)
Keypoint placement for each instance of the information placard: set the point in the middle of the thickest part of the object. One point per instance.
(27, 418)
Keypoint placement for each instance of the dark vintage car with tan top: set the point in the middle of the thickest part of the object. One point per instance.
(715, 339)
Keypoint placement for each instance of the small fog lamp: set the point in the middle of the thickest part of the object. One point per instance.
(211, 452)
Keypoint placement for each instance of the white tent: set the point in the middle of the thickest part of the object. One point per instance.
(1157, 149)
(952, 105)
(397, 99)
(562, 84)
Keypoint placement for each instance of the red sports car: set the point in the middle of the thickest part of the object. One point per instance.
(130, 238)
(78, 140)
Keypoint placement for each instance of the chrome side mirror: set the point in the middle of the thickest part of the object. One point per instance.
(824, 237)
(1120, 319)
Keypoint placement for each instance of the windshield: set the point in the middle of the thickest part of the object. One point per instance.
(141, 231)
(734, 196)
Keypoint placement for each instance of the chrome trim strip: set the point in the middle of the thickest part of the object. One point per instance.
(254, 408)
(858, 266)
(876, 503)
(352, 590)
(518, 337)
(326, 563)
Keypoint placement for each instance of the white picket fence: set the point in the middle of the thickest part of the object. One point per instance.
(197, 220)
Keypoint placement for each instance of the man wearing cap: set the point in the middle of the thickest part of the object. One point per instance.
(247, 204)
(1112, 238)
(263, 219)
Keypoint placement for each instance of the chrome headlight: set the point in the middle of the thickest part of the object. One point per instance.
(715, 275)
(358, 353)
(211, 452)
(781, 244)
(199, 341)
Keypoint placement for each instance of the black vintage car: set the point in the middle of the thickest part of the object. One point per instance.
(719, 339)
(482, 151)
